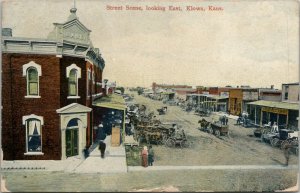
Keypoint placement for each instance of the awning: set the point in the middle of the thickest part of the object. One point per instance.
(217, 97)
(274, 104)
(167, 93)
(112, 101)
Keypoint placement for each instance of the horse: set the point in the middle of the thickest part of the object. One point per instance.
(203, 124)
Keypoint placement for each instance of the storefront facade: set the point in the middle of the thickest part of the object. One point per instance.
(284, 114)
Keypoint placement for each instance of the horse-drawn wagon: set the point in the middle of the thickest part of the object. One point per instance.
(219, 129)
(216, 128)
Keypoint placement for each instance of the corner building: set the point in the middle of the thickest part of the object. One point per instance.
(48, 86)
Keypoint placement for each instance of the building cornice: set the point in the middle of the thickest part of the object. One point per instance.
(50, 47)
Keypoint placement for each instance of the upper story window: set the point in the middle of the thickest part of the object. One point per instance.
(89, 75)
(32, 82)
(33, 125)
(73, 86)
(93, 77)
(73, 74)
(32, 72)
(286, 93)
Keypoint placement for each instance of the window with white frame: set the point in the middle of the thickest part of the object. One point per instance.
(94, 77)
(32, 71)
(73, 74)
(32, 82)
(73, 85)
(89, 75)
(33, 125)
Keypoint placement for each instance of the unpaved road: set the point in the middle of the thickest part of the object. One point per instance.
(183, 180)
(239, 149)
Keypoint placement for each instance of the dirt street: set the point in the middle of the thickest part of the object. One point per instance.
(182, 180)
(241, 148)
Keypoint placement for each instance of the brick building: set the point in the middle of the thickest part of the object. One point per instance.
(48, 88)
(239, 97)
(183, 92)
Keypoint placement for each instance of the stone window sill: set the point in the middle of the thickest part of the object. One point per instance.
(33, 96)
(73, 97)
(34, 153)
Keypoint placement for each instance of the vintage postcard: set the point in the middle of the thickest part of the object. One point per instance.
(149, 95)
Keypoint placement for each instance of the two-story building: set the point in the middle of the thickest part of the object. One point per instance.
(239, 97)
(48, 88)
(290, 92)
(284, 112)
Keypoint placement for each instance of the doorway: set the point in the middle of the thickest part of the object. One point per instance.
(72, 138)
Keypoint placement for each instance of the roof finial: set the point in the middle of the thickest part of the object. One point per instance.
(73, 10)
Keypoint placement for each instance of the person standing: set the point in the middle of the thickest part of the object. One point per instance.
(286, 151)
(86, 152)
(275, 128)
(145, 157)
(102, 147)
(226, 120)
(150, 156)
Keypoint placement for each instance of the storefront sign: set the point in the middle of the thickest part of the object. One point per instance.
(275, 110)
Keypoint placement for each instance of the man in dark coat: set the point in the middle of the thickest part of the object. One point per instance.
(102, 147)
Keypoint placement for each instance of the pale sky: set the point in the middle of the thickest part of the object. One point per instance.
(252, 43)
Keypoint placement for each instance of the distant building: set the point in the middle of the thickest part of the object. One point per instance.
(202, 90)
(183, 92)
(269, 94)
(156, 86)
(239, 97)
(290, 92)
(213, 102)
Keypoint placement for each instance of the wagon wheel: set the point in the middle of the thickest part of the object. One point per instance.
(228, 134)
(274, 142)
(294, 142)
(164, 139)
(160, 142)
(262, 139)
(283, 144)
(210, 130)
(217, 133)
(184, 143)
(170, 143)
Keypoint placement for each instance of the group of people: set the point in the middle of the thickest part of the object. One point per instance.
(147, 156)
(223, 120)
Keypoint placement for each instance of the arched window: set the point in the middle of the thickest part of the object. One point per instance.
(73, 86)
(73, 73)
(32, 82)
(33, 125)
(32, 72)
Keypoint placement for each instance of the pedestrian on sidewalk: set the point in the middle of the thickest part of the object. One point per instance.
(102, 147)
(150, 156)
(145, 157)
(86, 152)
(286, 151)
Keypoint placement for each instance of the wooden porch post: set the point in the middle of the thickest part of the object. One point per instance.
(287, 119)
(123, 131)
(255, 115)
(261, 117)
